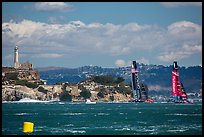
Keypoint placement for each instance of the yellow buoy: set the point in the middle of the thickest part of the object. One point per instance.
(28, 127)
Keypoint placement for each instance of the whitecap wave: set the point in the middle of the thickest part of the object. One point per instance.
(72, 114)
(22, 114)
(141, 122)
(69, 125)
(75, 131)
(176, 130)
(179, 114)
(122, 129)
(103, 114)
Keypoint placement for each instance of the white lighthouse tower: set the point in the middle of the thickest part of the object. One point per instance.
(16, 63)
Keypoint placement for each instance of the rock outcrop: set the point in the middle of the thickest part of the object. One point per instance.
(18, 84)
(17, 92)
(53, 92)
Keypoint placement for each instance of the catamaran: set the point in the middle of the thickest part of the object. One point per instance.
(140, 93)
(178, 92)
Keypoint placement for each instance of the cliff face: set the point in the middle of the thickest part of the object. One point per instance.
(16, 82)
(17, 92)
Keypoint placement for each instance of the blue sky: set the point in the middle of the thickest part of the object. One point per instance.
(107, 34)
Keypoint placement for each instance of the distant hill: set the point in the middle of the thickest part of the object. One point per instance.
(157, 77)
(49, 68)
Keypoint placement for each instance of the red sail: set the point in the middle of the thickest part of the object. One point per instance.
(179, 85)
(174, 82)
(178, 92)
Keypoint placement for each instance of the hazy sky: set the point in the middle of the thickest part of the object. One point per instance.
(107, 34)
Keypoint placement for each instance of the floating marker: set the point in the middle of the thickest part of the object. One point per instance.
(28, 127)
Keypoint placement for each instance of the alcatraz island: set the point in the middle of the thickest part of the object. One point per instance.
(23, 81)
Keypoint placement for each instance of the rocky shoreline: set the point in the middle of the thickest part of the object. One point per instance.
(18, 84)
(17, 92)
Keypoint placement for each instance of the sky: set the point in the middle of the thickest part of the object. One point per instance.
(106, 34)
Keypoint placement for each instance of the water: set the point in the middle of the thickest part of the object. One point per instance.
(103, 118)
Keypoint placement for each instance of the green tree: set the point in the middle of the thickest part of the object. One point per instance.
(65, 96)
(41, 89)
(64, 87)
(111, 98)
(104, 80)
(31, 85)
(85, 94)
(107, 80)
(100, 94)
(81, 87)
(12, 76)
(21, 82)
(119, 80)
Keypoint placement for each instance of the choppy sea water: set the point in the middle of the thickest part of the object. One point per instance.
(61, 118)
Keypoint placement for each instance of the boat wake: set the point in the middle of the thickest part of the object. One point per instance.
(27, 100)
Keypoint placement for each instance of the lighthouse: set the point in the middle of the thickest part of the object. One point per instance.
(16, 63)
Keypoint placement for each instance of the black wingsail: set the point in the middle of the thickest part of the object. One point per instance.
(140, 91)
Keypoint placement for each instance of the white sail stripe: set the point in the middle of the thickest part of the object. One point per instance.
(175, 73)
